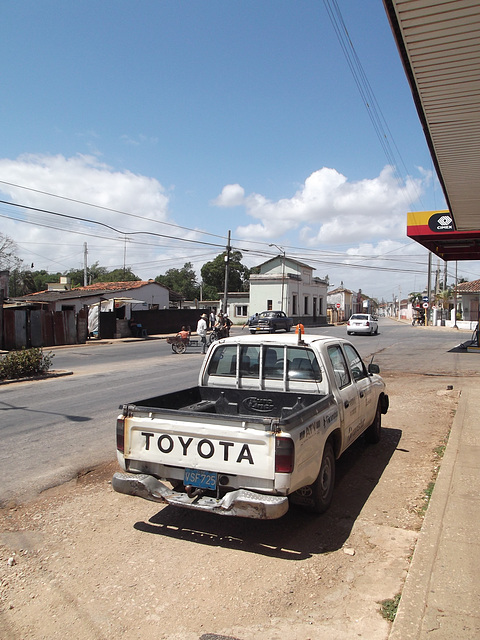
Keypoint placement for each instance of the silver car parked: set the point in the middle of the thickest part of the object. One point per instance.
(362, 323)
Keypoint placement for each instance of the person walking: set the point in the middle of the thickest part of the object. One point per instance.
(202, 331)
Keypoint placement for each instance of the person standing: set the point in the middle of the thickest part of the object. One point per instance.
(227, 323)
(202, 331)
(253, 318)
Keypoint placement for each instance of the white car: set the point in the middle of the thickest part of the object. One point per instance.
(362, 323)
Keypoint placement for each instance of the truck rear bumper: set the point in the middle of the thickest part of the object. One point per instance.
(243, 503)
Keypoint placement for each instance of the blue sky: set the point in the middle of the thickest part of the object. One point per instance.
(191, 119)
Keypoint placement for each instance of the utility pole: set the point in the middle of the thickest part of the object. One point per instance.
(455, 326)
(227, 262)
(283, 272)
(429, 284)
(85, 268)
(124, 255)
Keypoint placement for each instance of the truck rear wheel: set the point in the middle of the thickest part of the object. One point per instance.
(323, 486)
(317, 497)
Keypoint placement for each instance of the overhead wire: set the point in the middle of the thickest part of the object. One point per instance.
(111, 209)
(367, 94)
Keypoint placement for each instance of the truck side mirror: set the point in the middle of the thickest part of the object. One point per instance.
(373, 368)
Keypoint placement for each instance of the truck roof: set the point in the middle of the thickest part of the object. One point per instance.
(290, 339)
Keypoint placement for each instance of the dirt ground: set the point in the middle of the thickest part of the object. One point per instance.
(86, 562)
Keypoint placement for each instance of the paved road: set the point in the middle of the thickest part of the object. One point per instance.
(52, 429)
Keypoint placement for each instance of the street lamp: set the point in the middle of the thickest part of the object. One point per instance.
(283, 270)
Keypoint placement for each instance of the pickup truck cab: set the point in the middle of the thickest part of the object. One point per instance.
(264, 427)
(270, 321)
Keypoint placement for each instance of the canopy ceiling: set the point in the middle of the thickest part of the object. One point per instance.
(439, 43)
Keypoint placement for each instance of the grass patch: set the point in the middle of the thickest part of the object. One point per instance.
(389, 607)
(427, 494)
(438, 454)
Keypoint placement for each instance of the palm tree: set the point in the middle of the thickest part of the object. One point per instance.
(442, 299)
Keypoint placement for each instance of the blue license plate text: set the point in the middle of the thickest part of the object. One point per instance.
(201, 479)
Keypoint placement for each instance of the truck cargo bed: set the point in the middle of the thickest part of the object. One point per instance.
(232, 402)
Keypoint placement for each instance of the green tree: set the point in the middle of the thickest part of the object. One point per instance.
(21, 282)
(118, 275)
(94, 273)
(415, 297)
(42, 278)
(213, 275)
(182, 281)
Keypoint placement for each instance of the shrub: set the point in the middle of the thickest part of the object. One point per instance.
(25, 363)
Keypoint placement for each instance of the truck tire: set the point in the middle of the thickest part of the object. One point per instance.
(318, 496)
(374, 431)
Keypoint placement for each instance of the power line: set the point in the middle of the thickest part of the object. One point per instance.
(98, 206)
(104, 224)
(372, 106)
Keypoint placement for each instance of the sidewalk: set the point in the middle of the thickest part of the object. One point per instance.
(441, 596)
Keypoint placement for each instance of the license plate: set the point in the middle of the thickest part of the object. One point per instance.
(201, 479)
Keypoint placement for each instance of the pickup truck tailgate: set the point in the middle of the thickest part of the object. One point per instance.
(233, 447)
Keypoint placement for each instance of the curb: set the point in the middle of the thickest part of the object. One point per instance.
(44, 376)
(415, 602)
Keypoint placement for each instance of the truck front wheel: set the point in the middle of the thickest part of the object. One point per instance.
(374, 431)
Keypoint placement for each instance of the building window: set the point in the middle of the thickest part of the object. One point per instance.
(269, 305)
(241, 311)
(294, 305)
(320, 306)
(305, 306)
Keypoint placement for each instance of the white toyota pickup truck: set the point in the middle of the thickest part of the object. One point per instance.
(264, 427)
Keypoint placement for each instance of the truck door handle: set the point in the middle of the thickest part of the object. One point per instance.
(346, 404)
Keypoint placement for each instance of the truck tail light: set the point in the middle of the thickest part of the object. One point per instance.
(284, 455)
(121, 435)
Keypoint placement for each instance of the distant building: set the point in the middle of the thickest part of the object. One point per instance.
(144, 294)
(340, 303)
(285, 284)
(468, 296)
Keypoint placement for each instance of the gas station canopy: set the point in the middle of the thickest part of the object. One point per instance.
(435, 231)
(439, 44)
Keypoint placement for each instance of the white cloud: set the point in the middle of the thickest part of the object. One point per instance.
(330, 209)
(84, 179)
(232, 196)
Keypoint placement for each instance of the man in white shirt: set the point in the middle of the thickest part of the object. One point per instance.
(202, 331)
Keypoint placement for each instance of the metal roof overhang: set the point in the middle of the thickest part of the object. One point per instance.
(439, 43)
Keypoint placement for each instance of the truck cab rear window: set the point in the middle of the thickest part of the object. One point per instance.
(267, 361)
